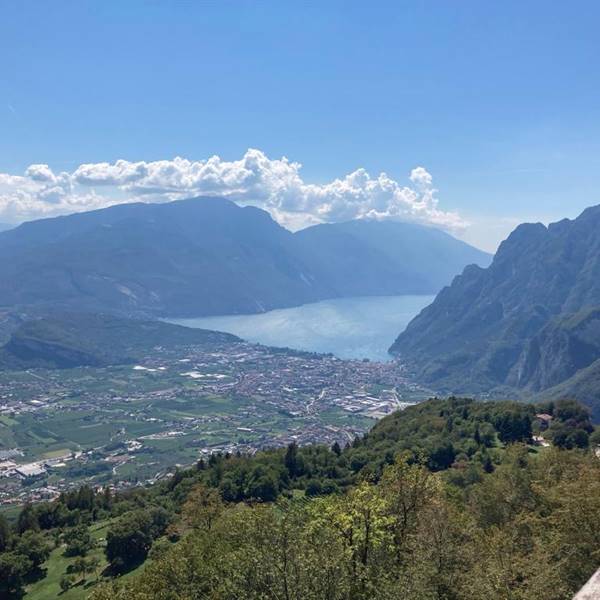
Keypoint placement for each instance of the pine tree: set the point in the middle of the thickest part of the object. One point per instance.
(4, 533)
(291, 459)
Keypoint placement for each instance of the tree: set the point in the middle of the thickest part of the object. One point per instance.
(107, 499)
(572, 412)
(126, 545)
(441, 456)
(79, 541)
(202, 508)
(487, 434)
(314, 488)
(66, 582)
(229, 489)
(4, 533)
(34, 546)
(505, 493)
(567, 437)
(13, 569)
(291, 459)
(52, 514)
(92, 565)
(27, 520)
(159, 549)
(407, 490)
(594, 439)
(262, 485)
(528, 529)
(85, 498)
(159, 520)
(487, 464)
(130, 538)
(514, 426)
(79, 567)
(358, 528)
(437, 556)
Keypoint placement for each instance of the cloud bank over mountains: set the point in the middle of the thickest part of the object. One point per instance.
(274, 185)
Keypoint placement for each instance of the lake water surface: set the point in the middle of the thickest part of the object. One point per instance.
(349, 327)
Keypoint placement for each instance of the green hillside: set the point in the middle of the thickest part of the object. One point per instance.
(79, 339)
(448, 499)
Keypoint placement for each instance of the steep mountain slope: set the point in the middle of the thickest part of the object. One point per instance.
(183, 258)
(584, 386)
(561, 348)
(531, 320)
(208, 256)
(366, 257)
(78, 339)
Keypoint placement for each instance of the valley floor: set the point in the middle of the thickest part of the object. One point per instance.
(127, 425)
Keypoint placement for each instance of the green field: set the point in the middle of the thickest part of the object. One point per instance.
(57, 564)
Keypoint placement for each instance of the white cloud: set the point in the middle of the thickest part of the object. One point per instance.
(275, 185)
(41, 173)
(421, 178)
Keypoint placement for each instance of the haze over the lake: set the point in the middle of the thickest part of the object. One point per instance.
(336, 326)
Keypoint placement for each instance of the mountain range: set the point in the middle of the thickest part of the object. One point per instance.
(529, 322)
(209, 256)
(380, 258)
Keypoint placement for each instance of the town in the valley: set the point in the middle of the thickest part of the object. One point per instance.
(133, 424)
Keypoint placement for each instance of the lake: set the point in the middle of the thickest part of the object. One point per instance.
(348, 327)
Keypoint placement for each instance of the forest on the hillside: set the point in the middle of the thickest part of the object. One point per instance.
(450, 499)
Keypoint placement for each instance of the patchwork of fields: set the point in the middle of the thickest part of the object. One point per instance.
(123, 425)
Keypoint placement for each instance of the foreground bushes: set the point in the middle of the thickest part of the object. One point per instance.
(530, 529)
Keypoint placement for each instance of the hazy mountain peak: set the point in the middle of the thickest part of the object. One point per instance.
(205, 256)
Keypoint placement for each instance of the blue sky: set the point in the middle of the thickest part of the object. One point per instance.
(499, 102)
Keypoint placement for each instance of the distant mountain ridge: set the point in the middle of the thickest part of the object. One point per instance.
(208, 256)
(530, 321)
(182, 258)
(395, 257)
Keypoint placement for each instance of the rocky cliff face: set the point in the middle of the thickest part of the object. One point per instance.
(562, 347)
(530, 320)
